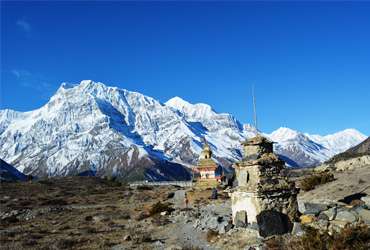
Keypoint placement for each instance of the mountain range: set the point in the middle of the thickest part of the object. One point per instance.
(92, 127)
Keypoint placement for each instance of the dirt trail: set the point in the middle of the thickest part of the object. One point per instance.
(179, 199)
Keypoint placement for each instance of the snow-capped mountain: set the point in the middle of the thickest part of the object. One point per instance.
(304, 150)
(299, 149)
(90, 126)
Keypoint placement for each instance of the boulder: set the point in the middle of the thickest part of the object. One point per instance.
(225, 226)
(366, 199)
(330, 213)
(311, 208)
(323, 216)
(321, 225)
(307, 218)
(100, 218)
(164, 213)
(346, 216)
(297, 229)
(271, 222)
(364, 215)
(336, 226)
(240, 219)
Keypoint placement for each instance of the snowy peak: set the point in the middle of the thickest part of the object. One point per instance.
(340, 141)
(347, 133)
(178, 103)
(197, 110)
(283, 134)
(204, 114)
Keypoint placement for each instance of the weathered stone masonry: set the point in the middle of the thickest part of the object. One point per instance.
(264, 198)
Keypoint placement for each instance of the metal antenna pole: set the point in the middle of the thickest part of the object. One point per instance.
(254, 109)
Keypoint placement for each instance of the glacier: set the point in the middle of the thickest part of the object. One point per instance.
(112, 131)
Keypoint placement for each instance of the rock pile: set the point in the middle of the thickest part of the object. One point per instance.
(333, 216)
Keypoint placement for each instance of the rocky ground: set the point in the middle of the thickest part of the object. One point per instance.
(344, 200)
(346, 183)
(91, 213)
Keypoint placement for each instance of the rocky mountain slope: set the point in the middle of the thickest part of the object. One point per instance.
(9, 173)
(90, 126)
(355, 157)
(359, 150)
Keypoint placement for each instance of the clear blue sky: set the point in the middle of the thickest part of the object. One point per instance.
(309, 62)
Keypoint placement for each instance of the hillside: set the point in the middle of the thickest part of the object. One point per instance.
(9, 173)
(362, 149)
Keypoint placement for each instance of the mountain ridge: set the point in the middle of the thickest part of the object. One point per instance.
(114, 131)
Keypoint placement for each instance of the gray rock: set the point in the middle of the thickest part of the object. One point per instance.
(364, 215)
(240, 219)
(99, 218)
(120, 247)
(336, 226)
(346, 216)
(323, 216)
(321, 225)
(297, 229)
(330, 213)
(366, 199)
(311, 208)
(225, 226)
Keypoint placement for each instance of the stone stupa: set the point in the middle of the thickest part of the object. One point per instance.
(264, 198)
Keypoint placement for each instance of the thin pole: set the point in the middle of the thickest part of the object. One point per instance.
(254, 109)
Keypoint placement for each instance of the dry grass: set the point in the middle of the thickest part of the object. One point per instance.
(211, 235)
(351, 237)
(75, 213)
(314, 180)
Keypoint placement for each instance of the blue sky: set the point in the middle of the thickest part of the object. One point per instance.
(309, 62)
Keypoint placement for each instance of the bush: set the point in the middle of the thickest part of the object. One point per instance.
(46, 182)
(54, 202)
(160, 207)
(317, 179)
(144, 187)
(351, 237)
(211, 235)
(66, 243)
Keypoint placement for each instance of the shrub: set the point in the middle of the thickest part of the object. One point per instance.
(66, 243)
(46, 182)
(350, 237)
(353, 237)
(211, 235)
(55, 202)
(312, 181)
(160, 207)
(144, 187)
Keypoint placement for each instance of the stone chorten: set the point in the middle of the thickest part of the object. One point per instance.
(206, 166)
(264, 198)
